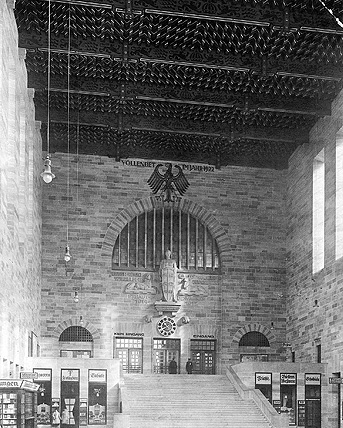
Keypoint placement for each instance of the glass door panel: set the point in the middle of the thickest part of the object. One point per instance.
(130, 352)
(164, 351)
(203, 356)
(135, 361)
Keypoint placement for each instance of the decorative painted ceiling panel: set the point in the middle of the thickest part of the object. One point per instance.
(236, 82)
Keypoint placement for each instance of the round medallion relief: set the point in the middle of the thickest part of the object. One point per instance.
(166, 326)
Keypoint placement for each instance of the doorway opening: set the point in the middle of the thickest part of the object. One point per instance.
(203, 356)
(164, 350)
(129, 351)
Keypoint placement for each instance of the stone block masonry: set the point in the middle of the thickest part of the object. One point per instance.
(244, 209)
(314, 304)
(20, 204)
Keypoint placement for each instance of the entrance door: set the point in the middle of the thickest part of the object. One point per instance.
(313, 406)
(164, 351)
(312, 414)
(203, 356)
(129, 351)
(70, 392)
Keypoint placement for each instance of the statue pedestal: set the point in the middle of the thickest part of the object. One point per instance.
(167, 308)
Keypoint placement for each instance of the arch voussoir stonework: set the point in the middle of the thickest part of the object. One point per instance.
(253, 327)
(141, 206)
(75, 321)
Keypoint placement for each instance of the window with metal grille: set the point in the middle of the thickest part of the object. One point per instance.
(167, 344)
(254, 338)
(203, 345)
(76, 333)
(75, 354)
(123, 342)
(142, 243)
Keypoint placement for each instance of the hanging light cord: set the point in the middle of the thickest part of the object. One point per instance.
(49, 72)
(77, 150)
(68, 118)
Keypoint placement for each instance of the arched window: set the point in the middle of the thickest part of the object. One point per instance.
(143, 241)
(76, 333)
(76, 342)
(254, 338)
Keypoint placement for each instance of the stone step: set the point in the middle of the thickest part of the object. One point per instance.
(185, 401)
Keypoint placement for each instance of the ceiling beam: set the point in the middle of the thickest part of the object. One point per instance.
(335, 76)
(196, 16)
(268, 104)
(253, 133)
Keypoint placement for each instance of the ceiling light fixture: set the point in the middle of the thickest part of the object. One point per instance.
(67, 255)
(47, 175)
(76, 297)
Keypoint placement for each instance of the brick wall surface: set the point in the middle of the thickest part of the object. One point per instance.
(244, 209)
(20, 202)
(309, 325)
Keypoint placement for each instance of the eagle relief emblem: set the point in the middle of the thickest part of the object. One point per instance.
(167, 183)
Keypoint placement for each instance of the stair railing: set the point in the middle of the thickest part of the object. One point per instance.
(274, 418)
(122, 419)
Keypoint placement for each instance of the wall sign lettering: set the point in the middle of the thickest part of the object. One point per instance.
(70, 375)
(288, 379)
(128, 334)
(151, 164)
(263, 378)
(312, 378)
(203, 336)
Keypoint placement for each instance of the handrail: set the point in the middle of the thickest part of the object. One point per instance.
(275, 419)
(122, 419)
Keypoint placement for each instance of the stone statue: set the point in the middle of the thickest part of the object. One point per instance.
(168, 275)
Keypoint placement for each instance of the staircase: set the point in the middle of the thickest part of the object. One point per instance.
(189, 401)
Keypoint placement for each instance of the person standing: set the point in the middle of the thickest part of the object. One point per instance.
(172, 366)
(189, 366)
(65, 418)
(56, 418)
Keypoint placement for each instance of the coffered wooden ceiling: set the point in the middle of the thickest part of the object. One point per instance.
(222, 82)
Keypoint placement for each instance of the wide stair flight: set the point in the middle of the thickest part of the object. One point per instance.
(189, 401)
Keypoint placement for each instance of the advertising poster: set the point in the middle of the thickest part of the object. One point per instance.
(44, 401)
(97, 397)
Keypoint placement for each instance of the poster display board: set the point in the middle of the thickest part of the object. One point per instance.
(263, 382)
(70, 396)
(18, 404)
(43, 379)
(301, 413)
(277, 405)
(97, 397)
(83, 411)
(313, 399)
(288, 395)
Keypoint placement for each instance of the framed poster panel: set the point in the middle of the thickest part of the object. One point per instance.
(97, 397)
(44, 399)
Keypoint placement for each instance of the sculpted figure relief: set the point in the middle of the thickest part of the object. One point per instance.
(169, 280)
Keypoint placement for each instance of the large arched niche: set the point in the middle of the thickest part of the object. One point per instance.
(187, 206)
(255, 327)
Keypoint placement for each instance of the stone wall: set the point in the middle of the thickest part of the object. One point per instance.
(20, 204)
(310, 325)
(244, 210)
